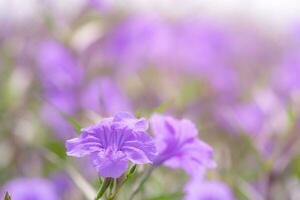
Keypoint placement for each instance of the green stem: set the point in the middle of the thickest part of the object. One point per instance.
(103, 187)
(141, 182)
(120, 182)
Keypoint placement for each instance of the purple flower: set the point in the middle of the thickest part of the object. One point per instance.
(101, 5)
(59, 70)
(197, 189)
(137, 42)
(113, 142)
(113, 98)
(61, 77)
(104, 92)
(55, 120)
(247, 118)
(178, 145)
(286, 77)
(62, 183)
(193, 38)
(29, 189)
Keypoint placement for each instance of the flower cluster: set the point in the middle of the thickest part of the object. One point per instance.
(68, 93)
(115, 141)
(84, 64)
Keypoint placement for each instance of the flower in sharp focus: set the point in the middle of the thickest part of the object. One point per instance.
(178, 145)
(114, 142)
(198, 189)
(28, 189)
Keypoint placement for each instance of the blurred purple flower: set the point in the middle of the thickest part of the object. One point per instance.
(113, 99)
(91, 96)
(286, 78)
(242, 118)
(104, 92)
(57, 104)
(101, 5)
(55, 120)
(178, 145)
(62, 101)
(59, 70)
(198, 189)
(29, 189)
(137, 42)
(113, 142)
(224, 79)
(199, 46)
(264, 119)
(62, 183)
(61, 76)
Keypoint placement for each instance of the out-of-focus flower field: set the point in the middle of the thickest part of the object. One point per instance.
(214, 105)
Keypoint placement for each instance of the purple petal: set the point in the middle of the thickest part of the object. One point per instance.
(179, 146)
(34, 188)
(58, 67)
(188, 129)
(123, 116)
(203, 190)
(84, 145)
(200, 153)
(110, 163)
(140, 149)
(112, 97)
(124, 119)
(91, 96)
(158, 126)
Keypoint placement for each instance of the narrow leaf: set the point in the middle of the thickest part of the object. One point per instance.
(7, 196)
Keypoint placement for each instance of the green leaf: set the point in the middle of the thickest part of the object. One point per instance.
(57, 147)
(291, 114)
(106, 183)
(132, 170)
(7, 196)
(172, 196)
(163, 107)
(100, 180)
(295, 165)
(76, 125)
(159, 109)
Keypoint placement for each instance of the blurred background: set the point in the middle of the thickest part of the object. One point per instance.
(232, 67)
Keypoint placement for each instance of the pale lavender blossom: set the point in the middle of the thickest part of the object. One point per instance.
(60, 76)
(104, 95)
(198, 46)
(101, 5)
(198, 189)
(58, 68)
(264, 119)
(56, 105)
(112, 97)
(245, 118)
(114, 142)
(56, 121)
(91, 96)
(178, 145)
(30, 189)
(139, 41)
(62, 183)
(286, 77)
